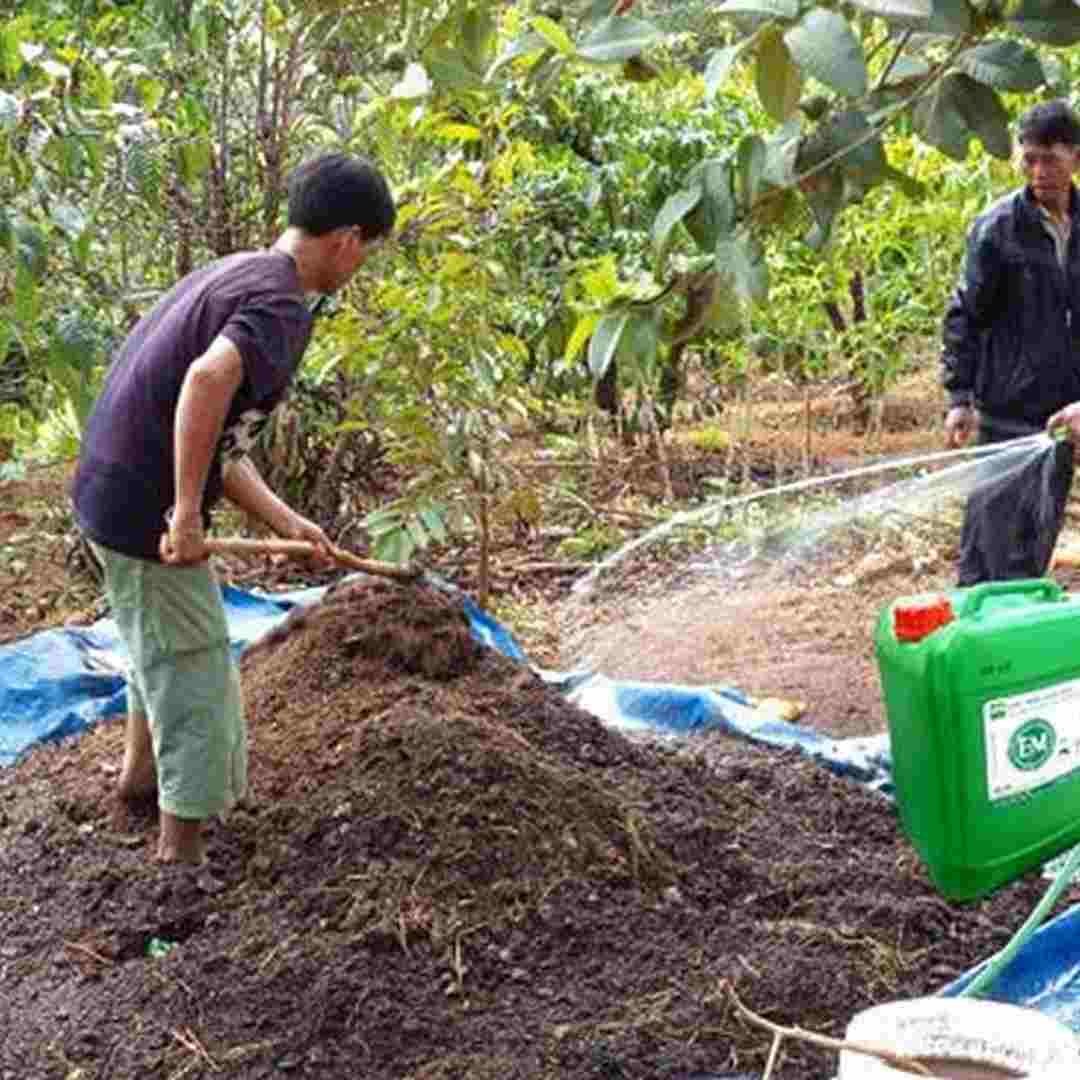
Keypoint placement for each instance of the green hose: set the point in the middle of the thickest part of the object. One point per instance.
(999, 961)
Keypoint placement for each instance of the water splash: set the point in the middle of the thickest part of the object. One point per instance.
(967, 470)
(894, 522)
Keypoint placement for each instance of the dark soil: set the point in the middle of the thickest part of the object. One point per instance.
(444, 870)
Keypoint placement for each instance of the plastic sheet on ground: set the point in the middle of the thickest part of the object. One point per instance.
(58, 683)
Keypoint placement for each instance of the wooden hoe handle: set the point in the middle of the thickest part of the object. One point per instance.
(302, 549)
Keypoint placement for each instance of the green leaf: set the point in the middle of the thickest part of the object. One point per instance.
(597, 11)
(10, 56)
(986, 115)
(395, 547)
(958, 109)
(601, 280)
(150, 92)
(766, 9)
(144, 169)
(639, 340)
(826, 199)
(950, 18)
(31, 250)
(743, 258)
(26, 302)
(865, 155)
(782, 154)
(458, 133)
(714, 215)
(524, 45)
(938, 120)
(544, 75)
(1056, 74)
(605, 341)
(81, 248)
(477, 30)
(582, 332)
(553, 34)
(1049, 22)
(381, 520)
(846, 146)
(74, 342)
(452, 70)
(750, 168)
(194, 159)
(896, 9)
(1003, 64)
(824, 46)
(777, 207)
(67, 150)
(434, 519)
(417, 532)
(776, 76)
(726, 311)
(95, 152)
(102, 88)
(720, 65)
(675, 208)
(617, 38)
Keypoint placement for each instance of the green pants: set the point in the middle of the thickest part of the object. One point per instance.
(183, 679)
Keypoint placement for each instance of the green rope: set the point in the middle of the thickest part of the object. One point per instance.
(999, 961)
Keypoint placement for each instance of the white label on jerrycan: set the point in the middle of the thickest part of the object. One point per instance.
(1031, 739)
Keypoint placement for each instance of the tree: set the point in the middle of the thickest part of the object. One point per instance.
(831, 82)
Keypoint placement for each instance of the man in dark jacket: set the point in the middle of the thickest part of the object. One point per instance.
(1011, 350)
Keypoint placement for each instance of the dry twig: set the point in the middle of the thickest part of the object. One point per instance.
(908, 1064)
(89, 952)
(190, 1041)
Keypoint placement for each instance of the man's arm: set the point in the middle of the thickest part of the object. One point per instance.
(244, 486)
(971, 310)
(207, 391)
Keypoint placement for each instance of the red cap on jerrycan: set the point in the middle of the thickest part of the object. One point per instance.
(918, 616)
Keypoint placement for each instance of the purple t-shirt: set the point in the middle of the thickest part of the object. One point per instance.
(124, 482)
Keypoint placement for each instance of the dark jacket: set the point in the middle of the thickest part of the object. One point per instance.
(1012, 329)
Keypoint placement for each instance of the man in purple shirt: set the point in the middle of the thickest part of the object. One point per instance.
(183, 401)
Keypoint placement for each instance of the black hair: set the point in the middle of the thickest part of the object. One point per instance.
(1049, 122)
(335, 190)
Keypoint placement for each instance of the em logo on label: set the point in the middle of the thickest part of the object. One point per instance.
(1032, 744)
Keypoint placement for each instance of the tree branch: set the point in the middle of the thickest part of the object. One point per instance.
(908, 1064)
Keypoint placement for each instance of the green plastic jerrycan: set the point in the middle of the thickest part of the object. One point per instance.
(982, 695)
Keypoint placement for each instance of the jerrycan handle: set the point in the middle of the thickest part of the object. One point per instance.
(1048, 590)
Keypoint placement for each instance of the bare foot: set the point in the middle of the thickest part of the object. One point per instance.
(181, 840)
(138, 775)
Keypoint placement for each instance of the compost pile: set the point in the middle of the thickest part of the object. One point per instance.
(446, 871)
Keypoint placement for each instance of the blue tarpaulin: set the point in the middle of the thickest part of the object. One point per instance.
(60, 682)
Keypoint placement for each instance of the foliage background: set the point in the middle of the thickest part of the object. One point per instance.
(652, 207)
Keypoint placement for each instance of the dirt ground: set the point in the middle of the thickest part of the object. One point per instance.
(444, 870)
